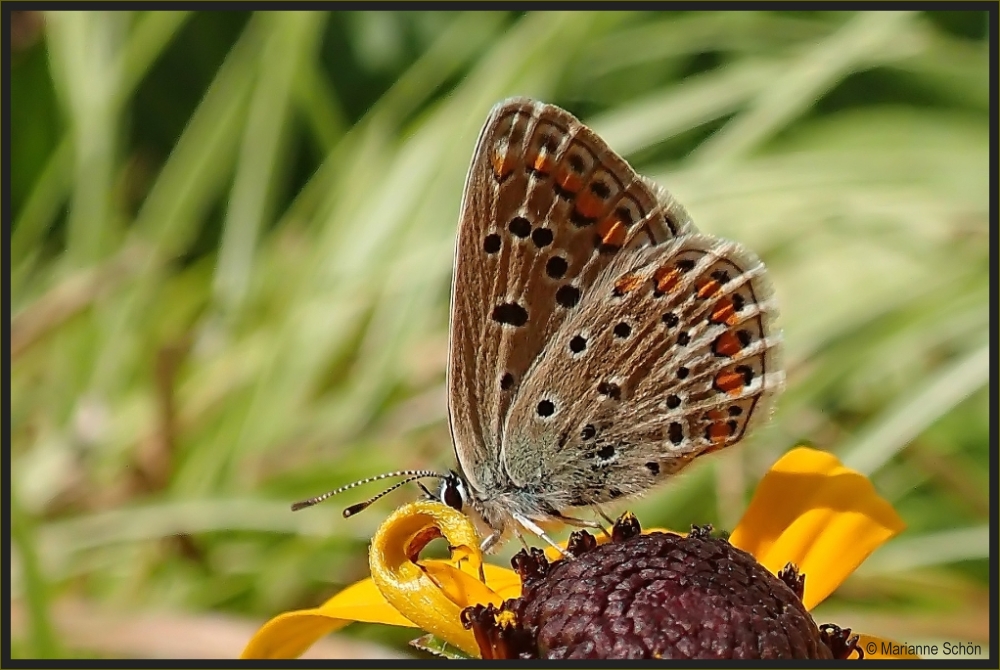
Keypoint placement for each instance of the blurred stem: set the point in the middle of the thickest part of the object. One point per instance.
(912, 414)
(150, 36)
(935, 548)
(460, 42)
(68, 298)
(316, 100)
(64, 543)
(730, 488)
(85, 58)
(807, 79)
(188, 183)
(292, 36)
(40, 209)
(200, 161)
(42, 637)
(453, 50)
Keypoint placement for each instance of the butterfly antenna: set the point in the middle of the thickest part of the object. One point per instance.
(411, 474)
(354, 509)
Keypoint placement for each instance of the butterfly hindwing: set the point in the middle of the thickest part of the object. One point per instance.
(672, 354)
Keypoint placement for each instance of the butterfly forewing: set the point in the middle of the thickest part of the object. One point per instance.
(547, 208)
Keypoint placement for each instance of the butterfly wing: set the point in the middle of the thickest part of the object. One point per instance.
(547, 208)
(673, 353)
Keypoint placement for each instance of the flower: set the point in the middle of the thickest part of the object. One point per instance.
(654, 595)
(808, 511)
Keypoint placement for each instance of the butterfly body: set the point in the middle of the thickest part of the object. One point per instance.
(599, 342)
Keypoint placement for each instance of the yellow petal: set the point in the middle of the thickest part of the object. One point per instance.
(288, 635)
(431, 595)
(812, 511)
(877, 647)
(503, 581)
(457, 586)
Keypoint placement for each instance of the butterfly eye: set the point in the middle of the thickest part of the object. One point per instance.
(451, 493)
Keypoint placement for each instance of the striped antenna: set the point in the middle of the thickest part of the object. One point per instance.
(354, 509)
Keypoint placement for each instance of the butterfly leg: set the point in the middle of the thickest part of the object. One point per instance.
(520, 538)
(585, 523)
(488, 544)
(528, 524)
(600, 512)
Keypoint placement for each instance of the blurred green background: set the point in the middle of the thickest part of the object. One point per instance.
(231, 250)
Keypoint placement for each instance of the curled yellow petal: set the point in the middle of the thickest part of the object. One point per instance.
(288, 635)
(812, 511)
(432, 594)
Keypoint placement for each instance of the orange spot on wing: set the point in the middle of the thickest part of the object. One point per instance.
(588, 205)
(543, 163)
(729, 381)
(569, 181)
(718, 432)
(666, 279)
(724, 312)
(612, 232)
(706, 288)
(503, 165)
(628, 283)
(727, 344)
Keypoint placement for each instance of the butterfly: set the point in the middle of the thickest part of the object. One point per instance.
(599, 342)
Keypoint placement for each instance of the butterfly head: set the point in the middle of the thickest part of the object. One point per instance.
(453, 492)
(456, 493)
